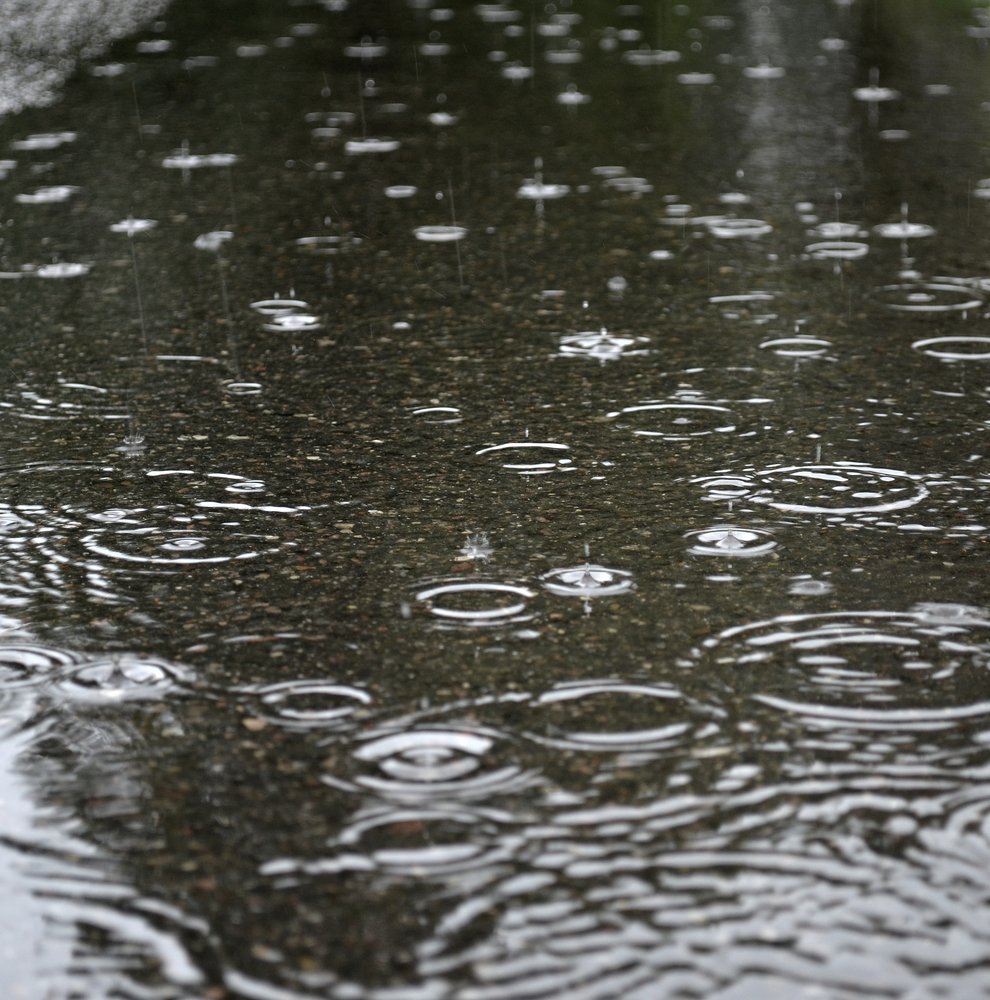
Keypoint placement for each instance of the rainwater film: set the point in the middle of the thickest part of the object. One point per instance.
(494, 500)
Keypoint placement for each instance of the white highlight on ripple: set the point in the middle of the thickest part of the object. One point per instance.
(477, 617)
(302, 705)
(931, 296)
(949, 355)
(860, 481)
(602, 346)
(739, 228)
(798, 347)
(532, 468)
(837, 250)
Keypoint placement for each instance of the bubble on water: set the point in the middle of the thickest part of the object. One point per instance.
(62, 270)
(44, 140)
(731, 542)
(820, 489)
(739, 228)
(355, 147)
(797, 347)
(929, 297)
(213, 242)
(875, 669)
(303, 705)
(440, 234)
(837, 250)
(475, 604)
(617, 285)
(550, 463)
(588, 581)
(400, 191)
(764, 72)
(48, 195)
(602, 346)
(949, 348)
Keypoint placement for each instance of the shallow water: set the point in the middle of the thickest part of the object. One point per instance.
(515, 525)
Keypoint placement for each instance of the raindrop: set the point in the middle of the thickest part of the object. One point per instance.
(731, 542)
(588, 581)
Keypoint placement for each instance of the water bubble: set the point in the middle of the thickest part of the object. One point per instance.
(731, 542)
(588, 581)
(483, 604)
(440, 234)
(617, 285)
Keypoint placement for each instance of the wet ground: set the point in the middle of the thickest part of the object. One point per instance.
(494, 504)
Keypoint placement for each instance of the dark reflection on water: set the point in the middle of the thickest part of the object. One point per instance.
(492, 502)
